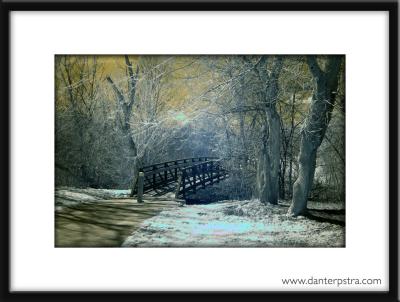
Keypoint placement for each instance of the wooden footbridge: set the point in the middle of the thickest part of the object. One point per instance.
(181, 176)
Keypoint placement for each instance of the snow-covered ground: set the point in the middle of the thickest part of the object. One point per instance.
(234, 224)
(74, 195)
(227, 223)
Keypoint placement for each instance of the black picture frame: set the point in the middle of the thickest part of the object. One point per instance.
(390, 7)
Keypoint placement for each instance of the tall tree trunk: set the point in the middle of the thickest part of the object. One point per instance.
(263, 180)
(136, 165)
(269, 155)
(291, 147)
(290, 186)
(240, 105)
(274, 144)
(313, 131)
(282, 177)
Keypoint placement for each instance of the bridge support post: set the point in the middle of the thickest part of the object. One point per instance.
(181, 184)
(203, 175)
(178, 186)
(165, 174)
(176, 170)
(140, 187)
(154, 176)
(211, 173)
(194, 173)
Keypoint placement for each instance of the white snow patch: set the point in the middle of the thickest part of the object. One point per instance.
(68, 195)
(74, 196)
(234, 223)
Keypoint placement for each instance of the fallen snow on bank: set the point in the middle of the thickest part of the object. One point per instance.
(68, 195)
(234, 223)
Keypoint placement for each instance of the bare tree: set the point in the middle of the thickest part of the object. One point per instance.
(126, 102)
(269, 153)
(314, 128)
(77, 89)
(146, 124)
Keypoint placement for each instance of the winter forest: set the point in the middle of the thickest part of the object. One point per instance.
(221, 151)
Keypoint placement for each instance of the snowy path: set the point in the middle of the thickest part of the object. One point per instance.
(234, 224)
(100, 218)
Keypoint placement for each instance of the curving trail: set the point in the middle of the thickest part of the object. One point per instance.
(87, 220)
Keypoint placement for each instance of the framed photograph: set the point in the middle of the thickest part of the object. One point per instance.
(201, 148)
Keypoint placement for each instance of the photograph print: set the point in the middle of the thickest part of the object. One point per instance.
(200, 151)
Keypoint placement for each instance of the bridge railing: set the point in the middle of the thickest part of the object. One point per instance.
(155, 168)
(160, 174)
(199, 175)
(188, 173)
